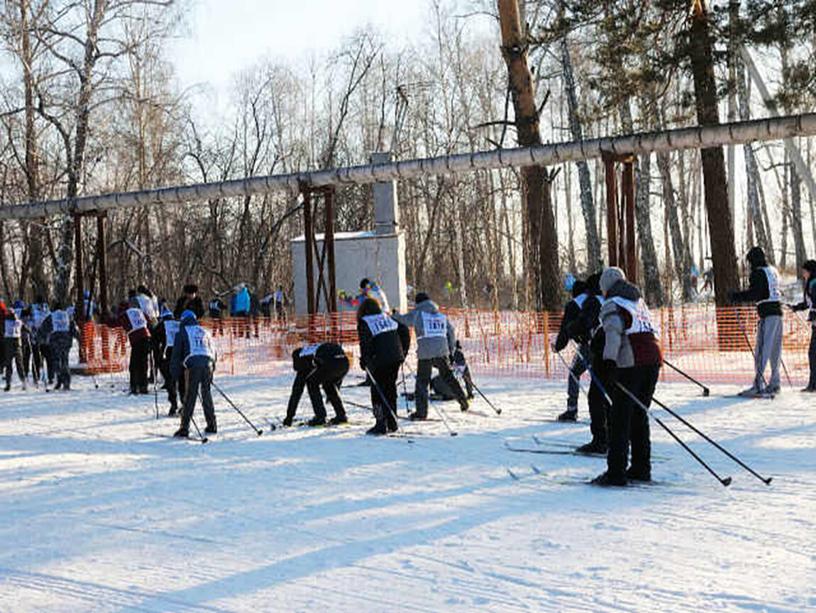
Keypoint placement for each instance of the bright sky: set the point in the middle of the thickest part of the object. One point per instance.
(228, 35)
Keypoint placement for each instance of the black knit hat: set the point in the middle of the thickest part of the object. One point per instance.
(578, 287)
(756, 257)
(421, 297)
(810, 266)
(190, 289)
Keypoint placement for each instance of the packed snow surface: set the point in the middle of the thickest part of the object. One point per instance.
(98, 513)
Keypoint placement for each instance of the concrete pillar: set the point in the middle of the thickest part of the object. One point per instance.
(386, 207)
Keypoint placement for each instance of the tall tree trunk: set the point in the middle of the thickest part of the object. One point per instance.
(584, 179)
(680, 248)
(653, 288)
(542, 238)
(752, 170)
(721, 224)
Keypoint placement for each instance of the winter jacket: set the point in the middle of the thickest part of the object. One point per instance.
(380, 341)
(763, 286)
(630, 335)
(216, 306)
(329, 357)
(134, 322)
(809, 301)
(58, 327)
(192, 348)
(572, 311)
(240, 303)
(14, 327)
(439, 340)
(161, 336)
(150, 308)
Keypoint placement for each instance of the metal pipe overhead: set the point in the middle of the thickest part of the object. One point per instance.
(775, 128)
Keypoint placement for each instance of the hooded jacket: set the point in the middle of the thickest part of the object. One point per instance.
(759, 290)
(183, 355)
(809, 299)
(572, 310)
(431, 343)
(127, 316)
(381, 341)
(628, 343)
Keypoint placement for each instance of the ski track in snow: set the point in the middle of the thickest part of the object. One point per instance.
(97, 513)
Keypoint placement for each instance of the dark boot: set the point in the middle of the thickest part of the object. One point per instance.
(181, 433)
(607, 480)
(338, 420)
(415, 416)
(571, 414)
(593, 447)
(316, 421)
(639, 474)
(211, 429)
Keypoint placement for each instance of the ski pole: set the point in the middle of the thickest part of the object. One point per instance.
(569, 371)
(404, 387)
(257, 430)
(155, 390)
(706, 391)
(201, 437)
(725, 482)
(765, 480)
(476, 387)
(440, 412)
(382, 396)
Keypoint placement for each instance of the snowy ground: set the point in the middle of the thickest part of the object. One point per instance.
(98, 514)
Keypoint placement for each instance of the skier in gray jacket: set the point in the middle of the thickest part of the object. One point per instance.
(436, 341)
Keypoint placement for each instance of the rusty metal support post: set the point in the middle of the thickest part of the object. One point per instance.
(101, 258)
(611, 211)
(631, 266)
(79, 313)
(308, 244)
(328, 242)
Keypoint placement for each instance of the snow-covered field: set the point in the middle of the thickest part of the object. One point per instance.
(99, 514)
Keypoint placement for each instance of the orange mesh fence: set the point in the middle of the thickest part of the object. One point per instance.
(712, 345)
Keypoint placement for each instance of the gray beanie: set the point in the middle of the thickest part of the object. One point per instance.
(610, 276)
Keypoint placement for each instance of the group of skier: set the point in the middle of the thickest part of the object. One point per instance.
(617, 342)
(36, 341)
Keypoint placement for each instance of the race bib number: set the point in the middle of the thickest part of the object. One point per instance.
(39, 316)
(309, 350)
(171, 328)
(14, 328)
(199, 342)
(641, 317)
(137, 319)
(774, 293)
(380, 323)
(435, 325)
(59, 321)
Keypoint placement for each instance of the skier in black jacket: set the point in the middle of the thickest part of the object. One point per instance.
(321, 364)
(381, 354)
(586, 330)
(572, 311)
(764, 290)
(809, 304)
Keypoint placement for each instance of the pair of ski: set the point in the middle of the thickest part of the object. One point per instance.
(536, 472)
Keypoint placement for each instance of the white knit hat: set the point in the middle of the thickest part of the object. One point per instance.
(609, 277)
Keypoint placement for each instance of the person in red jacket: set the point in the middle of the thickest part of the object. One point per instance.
(133, 320)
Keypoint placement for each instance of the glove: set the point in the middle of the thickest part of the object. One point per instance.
(287, 421)
(609, 374)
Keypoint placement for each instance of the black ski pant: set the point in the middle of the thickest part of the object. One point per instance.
(812, 359)
(598, 413)
(577, 369)
(423, 380)
(50, 363)
(629, 423)
(198, 380)
(384, 393)
(12, 355)
(175, 389)
(329, 377)
(59, 350)
(139, 351)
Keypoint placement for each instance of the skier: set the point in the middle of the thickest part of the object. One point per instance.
(13, 328)
(809, 304)
(193, 359)
(631, 361)
(58, 331)
(134, 322)
(266, 306)
(571, 312)
(216, 308)
(280, 304)
(381, 354)
(240, 305)
(321, 364)
(40, 348)
(764, 290)
(164, 338)
(150, 307)
(189, 301)
(30, 364)
(436, 340)
(373, 290)
(461, 370)
(586, 330)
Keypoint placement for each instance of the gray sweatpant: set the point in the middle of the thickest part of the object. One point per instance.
(768, 349)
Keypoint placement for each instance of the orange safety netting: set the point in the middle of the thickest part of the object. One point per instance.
(712, 345)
